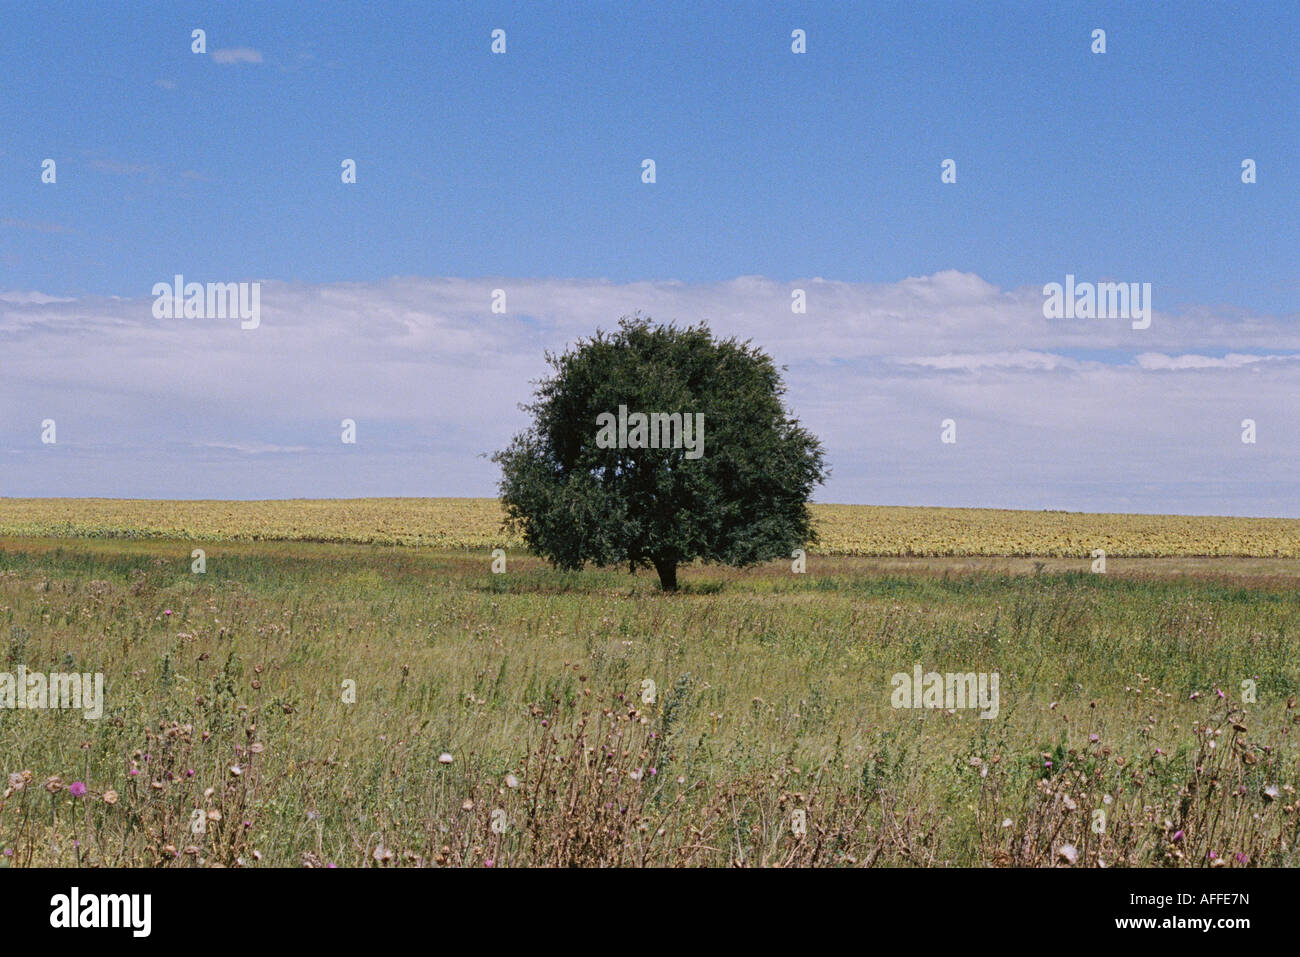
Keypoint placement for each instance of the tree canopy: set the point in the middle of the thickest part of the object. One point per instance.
(714, 470)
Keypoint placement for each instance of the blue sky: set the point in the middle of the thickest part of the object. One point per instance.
(522, 171)
(768, 163)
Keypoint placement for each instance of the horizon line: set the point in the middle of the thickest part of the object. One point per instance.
(484, 498)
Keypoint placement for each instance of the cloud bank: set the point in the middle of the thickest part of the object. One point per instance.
(1084, 414)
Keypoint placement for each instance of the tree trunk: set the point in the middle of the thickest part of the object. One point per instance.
(667, 570)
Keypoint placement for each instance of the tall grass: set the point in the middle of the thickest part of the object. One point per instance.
(499, 720)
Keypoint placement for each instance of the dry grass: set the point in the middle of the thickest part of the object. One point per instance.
(773, 695)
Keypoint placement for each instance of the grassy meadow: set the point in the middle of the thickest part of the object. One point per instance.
(506, 719)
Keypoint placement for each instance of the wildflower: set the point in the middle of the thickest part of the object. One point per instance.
(489, 863)
(1094, 738)
(168, 612)
(512, 782)
(110, 796)
(1178, 835)
(1068, 853)
(445, 758)
(16, 781)
(77, 789)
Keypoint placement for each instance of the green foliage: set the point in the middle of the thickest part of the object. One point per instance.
(743, 501)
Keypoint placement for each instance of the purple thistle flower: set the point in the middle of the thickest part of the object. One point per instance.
(76, 789)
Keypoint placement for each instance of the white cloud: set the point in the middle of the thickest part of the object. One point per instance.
(251, 448)
(1086, 414)
(18, 297)
(971, 362)
(1156, 360)
(233, 55)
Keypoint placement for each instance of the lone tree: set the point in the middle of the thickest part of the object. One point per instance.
(657, 445)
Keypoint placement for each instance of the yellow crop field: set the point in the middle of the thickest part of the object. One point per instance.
(476, 523)
(433, 522)
(932, 532)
